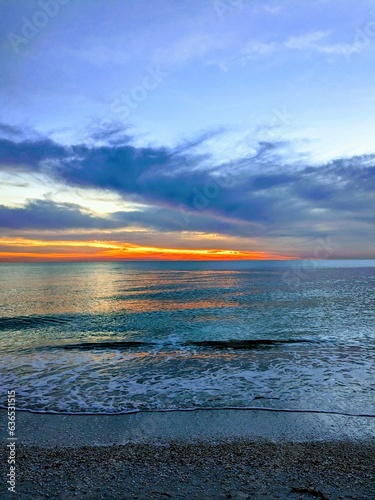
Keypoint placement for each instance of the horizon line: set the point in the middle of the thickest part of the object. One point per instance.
(88, 261)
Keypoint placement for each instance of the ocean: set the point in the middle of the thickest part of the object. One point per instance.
(121, 337)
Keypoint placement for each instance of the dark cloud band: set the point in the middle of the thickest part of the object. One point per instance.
(261, 194)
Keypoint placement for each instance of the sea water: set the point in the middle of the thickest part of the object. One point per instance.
(128, 336)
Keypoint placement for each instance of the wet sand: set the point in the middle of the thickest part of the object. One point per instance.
(194, 455)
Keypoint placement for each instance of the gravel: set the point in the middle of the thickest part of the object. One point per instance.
(197, 470)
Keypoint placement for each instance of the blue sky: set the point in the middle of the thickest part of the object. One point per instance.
(183, 91)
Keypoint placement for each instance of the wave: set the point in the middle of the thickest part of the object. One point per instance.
(210, 344)
(245, 344)
(105, 345)
(15, 323)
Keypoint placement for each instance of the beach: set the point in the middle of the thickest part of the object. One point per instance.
(179, 380)
(207, 454)
(187, 249)
(237, 470)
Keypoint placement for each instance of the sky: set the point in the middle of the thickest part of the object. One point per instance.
(187, 129)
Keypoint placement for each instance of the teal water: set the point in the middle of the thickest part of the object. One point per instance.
(120, 337)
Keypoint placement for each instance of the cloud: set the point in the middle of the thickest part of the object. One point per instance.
(272, 9)
(260, 48)
(28, 155)
(110, 133)
(314, 41)
(189, 48)
(44, 214)
(11, 130)
(263, 194)
(306, 41)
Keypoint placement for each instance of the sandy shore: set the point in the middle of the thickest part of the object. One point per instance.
(228, 470)
(193, 455)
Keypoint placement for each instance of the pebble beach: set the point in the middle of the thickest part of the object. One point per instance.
(226, 454)
(227, 470)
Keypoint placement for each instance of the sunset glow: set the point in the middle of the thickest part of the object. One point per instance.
(34, 250)
(215, 130)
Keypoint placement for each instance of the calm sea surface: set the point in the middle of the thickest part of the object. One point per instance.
(119, 337)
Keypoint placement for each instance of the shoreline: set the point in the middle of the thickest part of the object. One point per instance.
(227, 454)
(194, 425)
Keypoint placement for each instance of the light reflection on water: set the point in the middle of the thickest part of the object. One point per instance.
(45, 307)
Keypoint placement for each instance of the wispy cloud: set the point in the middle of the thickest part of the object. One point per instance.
(305, 41)
(314, 41)
(260, 48)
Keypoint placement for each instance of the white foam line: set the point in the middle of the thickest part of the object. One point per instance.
(215, 408)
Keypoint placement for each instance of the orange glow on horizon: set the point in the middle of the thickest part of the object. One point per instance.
(25, 250)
